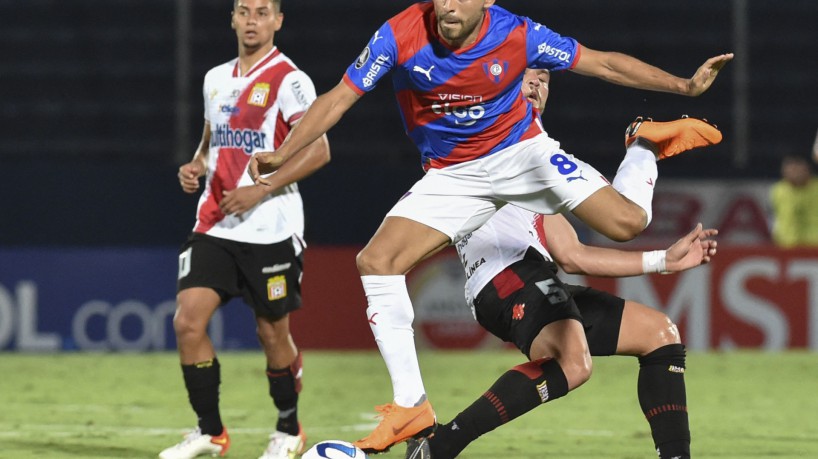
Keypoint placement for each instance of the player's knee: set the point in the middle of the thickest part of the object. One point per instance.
(371, 263)
(186, 324)
(664, 333)
(577, 369)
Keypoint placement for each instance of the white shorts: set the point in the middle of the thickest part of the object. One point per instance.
(535, 175)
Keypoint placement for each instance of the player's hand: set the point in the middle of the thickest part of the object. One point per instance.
(242, 199)
(694, 249)
(706, 74)
(189, 176)
(264, 163)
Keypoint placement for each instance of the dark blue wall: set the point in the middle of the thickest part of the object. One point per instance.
(87, 106)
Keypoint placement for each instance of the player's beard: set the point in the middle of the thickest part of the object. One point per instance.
(457, 35)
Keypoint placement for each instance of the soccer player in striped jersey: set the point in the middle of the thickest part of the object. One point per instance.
(248, 238)
(456, 67)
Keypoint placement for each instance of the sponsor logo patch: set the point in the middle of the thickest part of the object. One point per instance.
(542, 389)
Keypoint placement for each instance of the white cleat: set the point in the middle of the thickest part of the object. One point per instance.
(197, 444)
(284, 446)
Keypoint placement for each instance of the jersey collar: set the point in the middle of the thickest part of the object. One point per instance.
(261, 63)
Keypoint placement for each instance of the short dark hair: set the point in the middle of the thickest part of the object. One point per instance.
(276, 3)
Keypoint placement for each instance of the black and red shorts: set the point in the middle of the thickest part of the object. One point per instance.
(528, 295)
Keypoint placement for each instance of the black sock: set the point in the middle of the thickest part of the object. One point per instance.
(285, 384)
(663, 399)
(202, 382)
(517, 392)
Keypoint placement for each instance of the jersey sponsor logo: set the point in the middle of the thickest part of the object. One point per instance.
(549, 50)
(422, 70)
(471, 269)
(495, 70)
(259, 95)
(299, 94)
(245, 139)
(231, 109)
(276, 288)
(374, 70)
(675, 369)
(363, 58)
(465, 115)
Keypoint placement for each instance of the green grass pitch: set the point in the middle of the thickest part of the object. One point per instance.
(742, 405)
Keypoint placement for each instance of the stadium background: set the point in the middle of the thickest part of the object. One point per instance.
(101, 101)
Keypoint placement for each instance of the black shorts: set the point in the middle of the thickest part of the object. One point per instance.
(266, 276)
(527, 296)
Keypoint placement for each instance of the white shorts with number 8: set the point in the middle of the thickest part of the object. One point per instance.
(535, 175)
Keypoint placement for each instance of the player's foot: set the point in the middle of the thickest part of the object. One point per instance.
(285, 446)
(398, 424)
(197, 444)
(673, 137)
(418, 448)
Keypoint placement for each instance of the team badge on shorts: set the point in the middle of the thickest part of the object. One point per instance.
(276, 288)
(259, 95)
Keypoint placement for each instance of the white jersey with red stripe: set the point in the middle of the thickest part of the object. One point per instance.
(250, 113)
(500, 242)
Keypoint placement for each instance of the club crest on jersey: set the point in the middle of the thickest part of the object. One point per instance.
(259, 95)
(276, 288)
(495, 70)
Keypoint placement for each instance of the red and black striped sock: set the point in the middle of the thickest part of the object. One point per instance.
(663, 399)
(515, 393)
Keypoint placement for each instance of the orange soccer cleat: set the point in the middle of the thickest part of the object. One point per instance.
(398, 424)
(673, 137)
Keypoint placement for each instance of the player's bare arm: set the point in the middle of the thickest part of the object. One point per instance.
(574, 257)
(628, 71)
(322, 115)
(190, 173)
(301, 165)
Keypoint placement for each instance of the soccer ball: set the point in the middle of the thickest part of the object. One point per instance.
(334, 449)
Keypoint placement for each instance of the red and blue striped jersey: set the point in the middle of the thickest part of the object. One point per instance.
(461, 104)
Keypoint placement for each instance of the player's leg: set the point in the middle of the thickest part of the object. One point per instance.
(654, 338)
(271, 284)
(195, 305)
(542, 320)
(615, 326)
(623, 217)
(421, 223)
(395, 248)
(284, 367)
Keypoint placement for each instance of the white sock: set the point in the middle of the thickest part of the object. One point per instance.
(390, 317)
(637, 175)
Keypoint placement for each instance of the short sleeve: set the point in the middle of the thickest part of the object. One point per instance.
(549, 50)
(376, 60)
(295, 95)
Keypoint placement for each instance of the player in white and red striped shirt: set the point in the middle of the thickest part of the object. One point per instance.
(248, 239)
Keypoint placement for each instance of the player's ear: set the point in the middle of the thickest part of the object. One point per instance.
(233, 20)
(279, 21)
